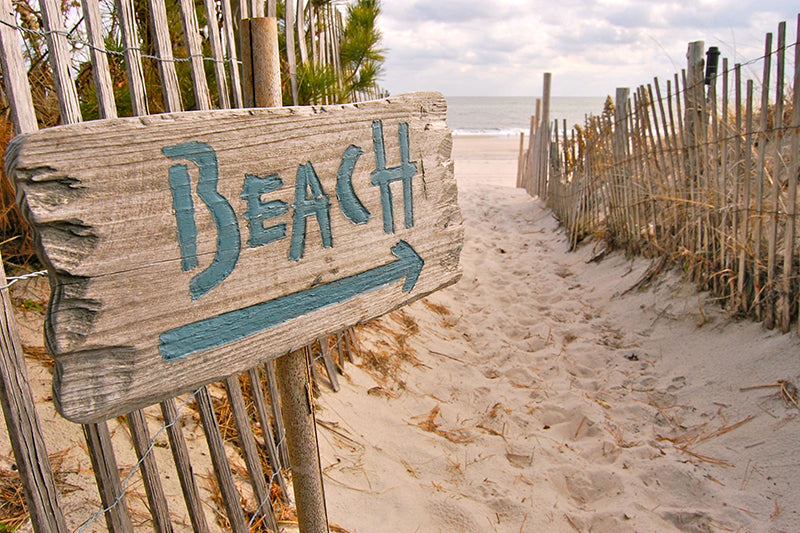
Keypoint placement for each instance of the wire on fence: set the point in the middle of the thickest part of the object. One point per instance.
(121, 52)
(138, 465)
(13, 279)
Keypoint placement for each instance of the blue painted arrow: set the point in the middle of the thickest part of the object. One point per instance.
(222, 329)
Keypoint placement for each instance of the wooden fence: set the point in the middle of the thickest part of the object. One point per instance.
(695, 172)
(214, 81)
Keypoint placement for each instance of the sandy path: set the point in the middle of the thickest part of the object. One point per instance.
(537, 394)
(545, 400)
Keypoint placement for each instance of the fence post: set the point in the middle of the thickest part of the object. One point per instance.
(520, 158)
(544, 148)
(261, 84)
(301, 437)
(291, 370)
(619, 168)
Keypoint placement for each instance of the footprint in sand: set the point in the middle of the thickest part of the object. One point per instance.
(589, 486)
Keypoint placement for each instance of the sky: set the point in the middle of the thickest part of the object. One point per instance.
(503, 47)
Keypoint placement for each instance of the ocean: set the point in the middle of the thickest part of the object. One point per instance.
(509, 115)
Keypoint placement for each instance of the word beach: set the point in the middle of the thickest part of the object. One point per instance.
(183, 248)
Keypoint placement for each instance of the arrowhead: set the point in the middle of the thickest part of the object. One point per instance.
(410, 262)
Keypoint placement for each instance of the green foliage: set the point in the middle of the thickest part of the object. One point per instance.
(315, 83)
(360, 52)
(360, 55)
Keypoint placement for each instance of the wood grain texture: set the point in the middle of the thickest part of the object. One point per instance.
(170, 89)
(218, 53)
(103, 88)
(23, 426)
(183, 465)
(133, 56)
(191, 31)
(157, 502)
(99, 198)
(106, 474)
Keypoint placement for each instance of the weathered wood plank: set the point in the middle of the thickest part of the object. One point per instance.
(101, 74)
(216, 448)
(106, 473)
(180, 454)
(22, 423)
(159, 509)
(132, 322)
(170, 89)
(15, 79)
(247, 444)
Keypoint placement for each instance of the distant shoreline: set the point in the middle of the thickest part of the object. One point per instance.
(487, 133)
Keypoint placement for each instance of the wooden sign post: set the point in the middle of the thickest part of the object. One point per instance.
(187, 247)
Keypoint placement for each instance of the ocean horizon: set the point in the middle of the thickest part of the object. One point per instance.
(510, 115)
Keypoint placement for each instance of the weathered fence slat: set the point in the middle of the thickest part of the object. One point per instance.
(15, 76)
(106, 473)
(133, 57)
(180, 455)
(770, 296)
(760, 176)
(791, 204)
(277, 414)
(22, 424)
(149, 467)
(230, 45)
(249, 451)
(195, 49)
(327, 360)
(216, 448)
(218, 54)
(266, 430)
(170, 89)
(60, 62)
(104, 90)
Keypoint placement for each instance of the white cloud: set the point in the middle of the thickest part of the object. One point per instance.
(474, 47)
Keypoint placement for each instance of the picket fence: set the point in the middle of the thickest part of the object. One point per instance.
(233, 89)
(694, 173)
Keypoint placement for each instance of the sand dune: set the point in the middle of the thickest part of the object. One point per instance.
(540, 394)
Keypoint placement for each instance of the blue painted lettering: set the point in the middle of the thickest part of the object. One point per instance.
(181, 185)
(384, 177)
(351, 206)
(259, 211)
(305, 205)
(228, 238)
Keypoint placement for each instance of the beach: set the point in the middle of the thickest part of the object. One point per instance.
(545, 392)
(542, 392)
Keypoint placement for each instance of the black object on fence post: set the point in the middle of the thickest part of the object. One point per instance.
(712, 62)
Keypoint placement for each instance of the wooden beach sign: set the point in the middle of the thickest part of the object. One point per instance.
(183, 248)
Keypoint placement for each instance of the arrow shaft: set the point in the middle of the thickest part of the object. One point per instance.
(231, 326)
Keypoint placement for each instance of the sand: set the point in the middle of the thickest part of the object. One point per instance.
(537, 394)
